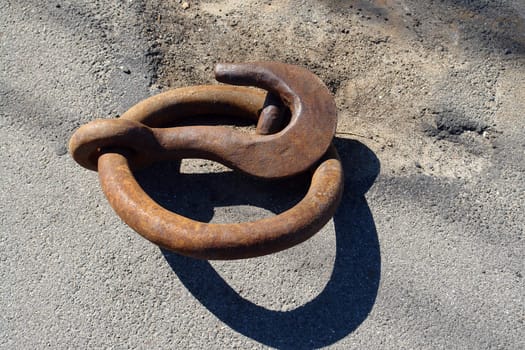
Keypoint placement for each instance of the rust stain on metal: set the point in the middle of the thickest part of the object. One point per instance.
(138, 138)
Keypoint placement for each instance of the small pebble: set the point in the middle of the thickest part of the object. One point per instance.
(60, 150)
(125, 69)
(185, 5)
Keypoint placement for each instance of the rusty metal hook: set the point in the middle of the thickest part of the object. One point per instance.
(292, 150)
(113, 147)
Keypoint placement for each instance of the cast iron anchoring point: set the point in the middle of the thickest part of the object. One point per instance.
(287, 94)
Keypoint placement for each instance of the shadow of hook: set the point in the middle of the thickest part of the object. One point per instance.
(347, 298)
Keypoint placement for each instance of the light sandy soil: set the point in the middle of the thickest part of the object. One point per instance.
(422, 80)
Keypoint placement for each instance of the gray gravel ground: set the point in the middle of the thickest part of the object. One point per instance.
(425, 252)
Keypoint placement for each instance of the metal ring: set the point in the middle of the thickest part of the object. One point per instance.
(115, 147)
(222, 241)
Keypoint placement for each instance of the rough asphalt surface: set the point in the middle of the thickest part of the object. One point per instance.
(425, 252)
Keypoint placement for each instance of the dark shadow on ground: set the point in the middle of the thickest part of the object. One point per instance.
(347, 298)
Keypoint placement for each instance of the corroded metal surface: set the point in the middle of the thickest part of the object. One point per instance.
(221, 241)
(140, 137)
(292, 150)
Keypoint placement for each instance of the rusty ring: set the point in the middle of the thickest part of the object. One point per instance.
(222, 241)
(216, 241)
(115, 147)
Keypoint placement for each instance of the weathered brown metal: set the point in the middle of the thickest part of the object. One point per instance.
(273, 117)
(139, 137)
(291, 151)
